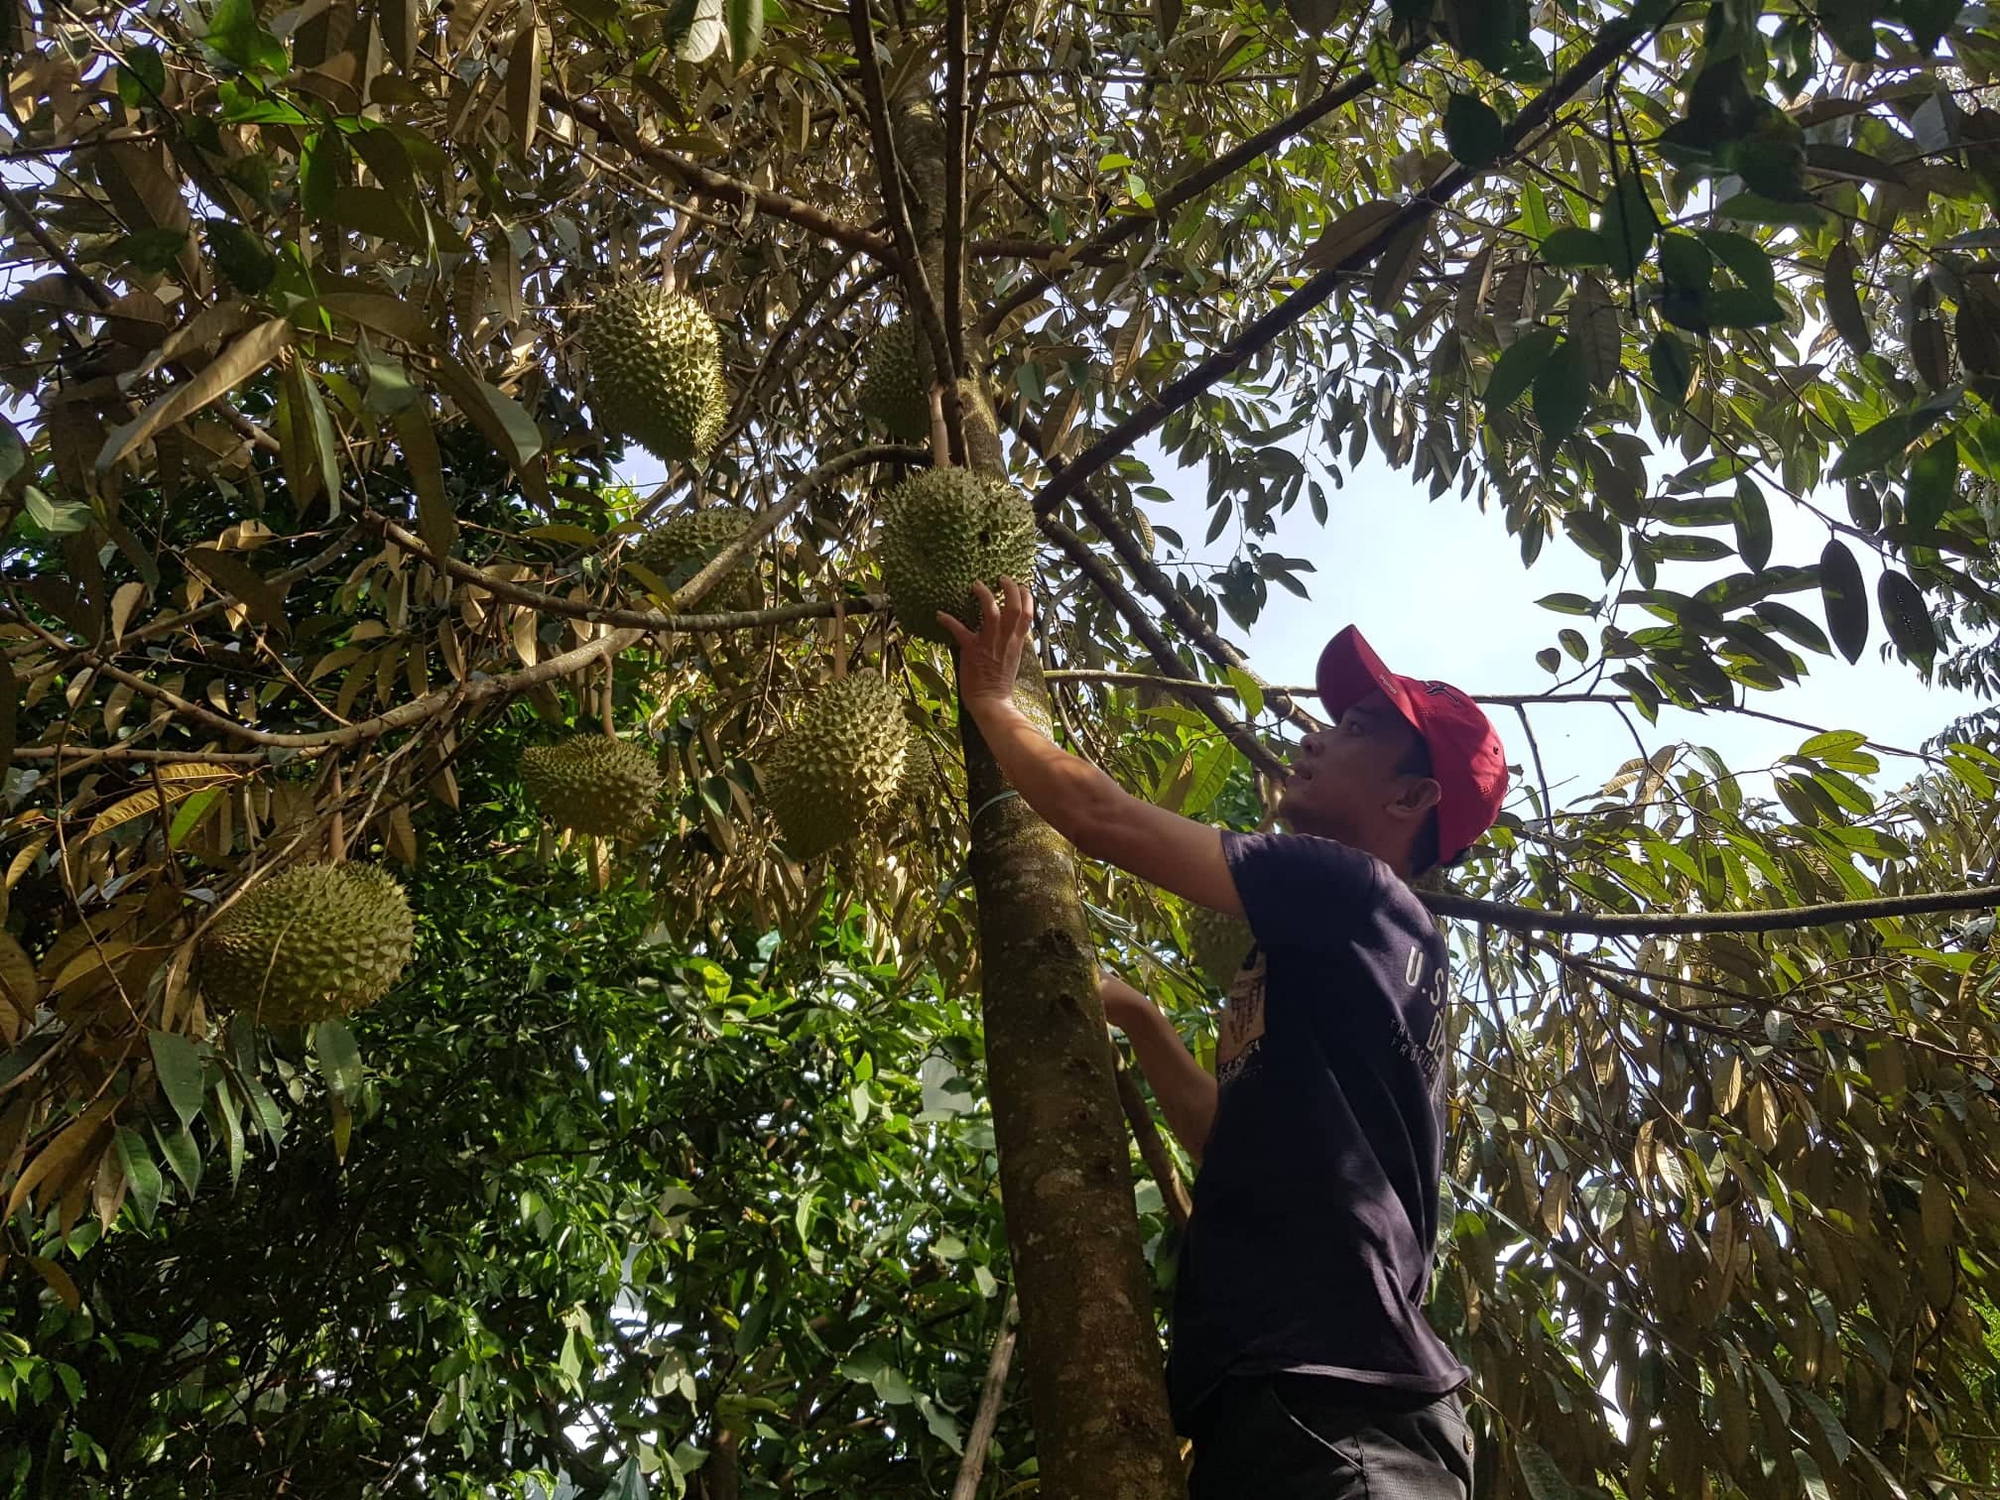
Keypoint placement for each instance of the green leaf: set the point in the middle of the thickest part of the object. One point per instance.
(1472, 130)
(1864, 506)
(1740, 307)
(1753, 524)
(1846, 599)
(323, 167)
(153, 251)
(1600, 538)
(1568, 604)
(142, 1178)
(1748, 261)
(1517, 368)
(1685, 261)
(178, 1062)
(629, 1483)
(1571, 246)
(1544, 1479)
(240, 256)
(234, 33)
(1673, 371)
(1906, 616)
(142, 76)
(1843, 301)
(1877, 447)
(1932, 488)
(1384, 62)
(1628, 225)
(1562, 390)
(178, 1151)
(1794, 626)
(339, 1059)
(746, 29)
(56, 517)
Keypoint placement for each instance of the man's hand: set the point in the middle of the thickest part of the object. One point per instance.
(1124, 1007)
(989, 658)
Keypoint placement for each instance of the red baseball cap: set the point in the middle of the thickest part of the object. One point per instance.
(1467, 761)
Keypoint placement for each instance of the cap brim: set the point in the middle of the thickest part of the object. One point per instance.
(1349, 670)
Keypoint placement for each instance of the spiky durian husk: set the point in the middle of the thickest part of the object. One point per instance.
(311, 943)
(593, 784)
(1220, 943)
(919, 772)
(656, 370)
(896, 380)
(942, 531)
(678, 549)
(840, 767)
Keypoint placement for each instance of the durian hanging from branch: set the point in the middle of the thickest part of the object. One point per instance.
(677, 549)
(896, 368)
(312, 943)
(593, 784)
(944, 530)
(656, 370)
(841, 768)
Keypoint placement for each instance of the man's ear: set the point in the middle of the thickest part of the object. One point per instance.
(1419, 794)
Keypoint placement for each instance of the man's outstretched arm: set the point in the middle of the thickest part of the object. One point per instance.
(1078, 800)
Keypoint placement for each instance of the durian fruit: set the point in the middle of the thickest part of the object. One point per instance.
(678, 549)
(942, 531)
(840, 767)
(311, 943)
(919, 773)
(896, 380)
(593, 784)
(1220, 943)
(656, 370)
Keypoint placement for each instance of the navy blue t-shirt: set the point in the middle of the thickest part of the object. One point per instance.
(1316, 1207)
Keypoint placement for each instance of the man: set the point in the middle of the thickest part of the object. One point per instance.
(1302, 1364)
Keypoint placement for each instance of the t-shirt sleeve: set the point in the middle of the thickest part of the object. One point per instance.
(1299, 891)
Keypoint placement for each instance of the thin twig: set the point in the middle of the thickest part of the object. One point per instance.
(973, 1465)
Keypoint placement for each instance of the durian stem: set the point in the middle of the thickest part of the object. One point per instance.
(839, 630)
(336, 834)
(610, 680)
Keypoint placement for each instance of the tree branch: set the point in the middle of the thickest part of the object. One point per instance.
(1683, 924)
(987, 1418)
(955, 123)
(607, 122)
(1618, 35)
(1152, 1148)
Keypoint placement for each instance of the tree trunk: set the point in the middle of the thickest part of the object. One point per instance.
(1091, 1351)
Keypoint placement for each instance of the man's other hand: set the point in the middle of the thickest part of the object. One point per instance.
(989, 658)
(1123, 1005)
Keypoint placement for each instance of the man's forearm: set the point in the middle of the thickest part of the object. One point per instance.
(1065, 790)
(1186, 1092)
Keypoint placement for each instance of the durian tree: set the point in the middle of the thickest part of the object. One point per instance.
(336, 331)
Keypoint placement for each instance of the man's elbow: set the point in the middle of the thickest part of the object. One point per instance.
(1098, 821)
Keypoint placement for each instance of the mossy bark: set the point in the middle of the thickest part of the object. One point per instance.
(1091, 1351)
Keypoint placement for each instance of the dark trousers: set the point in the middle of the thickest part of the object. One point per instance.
(1298, 1437)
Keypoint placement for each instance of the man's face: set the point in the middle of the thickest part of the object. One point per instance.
(1346, 782)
